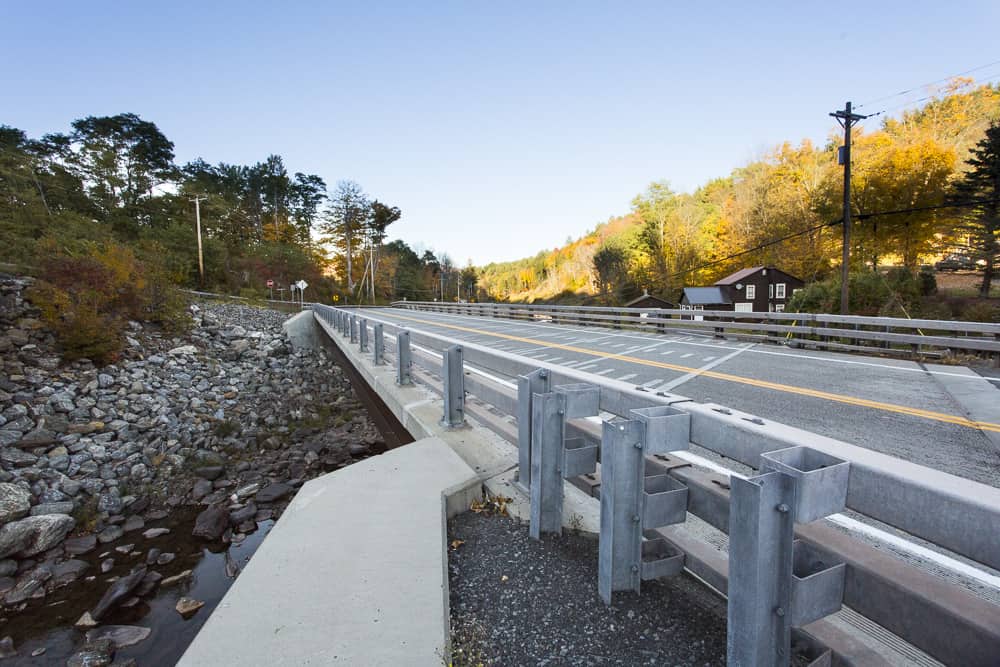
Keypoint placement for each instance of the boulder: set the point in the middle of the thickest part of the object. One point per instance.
(76, 546)
(15, 503)
(211, 523)
(34, 534)
(183, 350)
(118, 593)
(274, 492)
(119, 635)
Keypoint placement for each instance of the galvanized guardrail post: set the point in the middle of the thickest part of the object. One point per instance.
(404, 360)
(535, 382)
(453, 375)
(553, 457)
(775, 582)
(354, 328)
(363, 334)
(379, 354)
(632, 503)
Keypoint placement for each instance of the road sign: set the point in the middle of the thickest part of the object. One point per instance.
(336, 298)
(302, 284)
(270, 283)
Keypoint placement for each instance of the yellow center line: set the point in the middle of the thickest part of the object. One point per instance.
(791, 389)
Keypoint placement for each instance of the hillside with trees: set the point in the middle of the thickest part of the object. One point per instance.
(784, 210)
(111, 183)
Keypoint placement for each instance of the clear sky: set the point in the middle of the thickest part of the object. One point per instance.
(500, 129)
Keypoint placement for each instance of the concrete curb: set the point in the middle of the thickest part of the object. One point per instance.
(354, 572)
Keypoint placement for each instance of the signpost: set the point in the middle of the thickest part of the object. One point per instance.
(270, 287)
(302, 285)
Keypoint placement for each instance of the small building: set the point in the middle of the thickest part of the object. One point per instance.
(647, 300)
(705, 298)
(759, 289)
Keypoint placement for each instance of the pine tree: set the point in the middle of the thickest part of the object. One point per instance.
(982, 221)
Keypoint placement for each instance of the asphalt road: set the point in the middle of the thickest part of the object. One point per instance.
(900, 408)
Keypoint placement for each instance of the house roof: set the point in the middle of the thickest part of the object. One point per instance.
(738, 276)
(703, 296)
(649, 297)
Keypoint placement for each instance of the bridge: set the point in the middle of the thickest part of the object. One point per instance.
(861, 493)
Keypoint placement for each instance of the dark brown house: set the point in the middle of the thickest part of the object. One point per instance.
(758, 289)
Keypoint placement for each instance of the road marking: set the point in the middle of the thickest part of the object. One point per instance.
(605, 371)
(708, 358)
(690, 376)
(689, 354)
(763, 384)
(756, 350)
(627, 376)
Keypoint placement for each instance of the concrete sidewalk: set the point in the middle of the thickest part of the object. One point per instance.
(354, 572)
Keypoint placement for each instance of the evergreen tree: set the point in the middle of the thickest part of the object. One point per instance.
(982, 222)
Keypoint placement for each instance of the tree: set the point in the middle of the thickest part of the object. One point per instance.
(611, 268)
(121, 159)
(982, 222)
(468, 279)
(347, 217)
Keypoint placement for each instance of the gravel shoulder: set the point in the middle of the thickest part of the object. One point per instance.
(516, 601)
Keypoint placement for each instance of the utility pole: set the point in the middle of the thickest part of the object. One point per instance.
(197, 217)
(846, 120)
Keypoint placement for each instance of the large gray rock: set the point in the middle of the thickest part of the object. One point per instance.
(15, 503)
(212, 523)
(118, 592)
(34, 534)
(274, 492)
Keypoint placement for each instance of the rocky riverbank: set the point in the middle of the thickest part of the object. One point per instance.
(209, 434)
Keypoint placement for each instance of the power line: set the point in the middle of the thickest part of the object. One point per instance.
(925, 85)
(924, 99)
(833, 223)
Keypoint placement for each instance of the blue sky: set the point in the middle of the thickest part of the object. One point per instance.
(500, 129)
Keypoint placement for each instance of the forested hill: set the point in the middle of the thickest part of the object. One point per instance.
(670, 239)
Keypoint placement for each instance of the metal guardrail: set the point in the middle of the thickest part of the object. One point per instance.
(885, 335)
(786, 569)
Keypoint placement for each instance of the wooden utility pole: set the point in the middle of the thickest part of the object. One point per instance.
(846, 120)
(197, 218)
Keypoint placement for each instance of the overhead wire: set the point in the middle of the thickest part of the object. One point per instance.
(931, 83)
(833, 223)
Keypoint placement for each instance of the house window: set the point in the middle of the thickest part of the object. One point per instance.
(744, 308)
(779, 308)
(770, 291)
(699, 307)
(780, 292)
(751, 291)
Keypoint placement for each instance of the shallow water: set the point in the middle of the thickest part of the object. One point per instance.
(49, 622)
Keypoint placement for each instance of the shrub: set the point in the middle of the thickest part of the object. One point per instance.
(85, 299)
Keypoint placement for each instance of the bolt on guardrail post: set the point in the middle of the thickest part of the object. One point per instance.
(354, 328)
(453, 375)
(632, 503)
(404, 361)
(553, 457)
(363, 334)
(775, 582)
(535, 382)
(379, 354)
